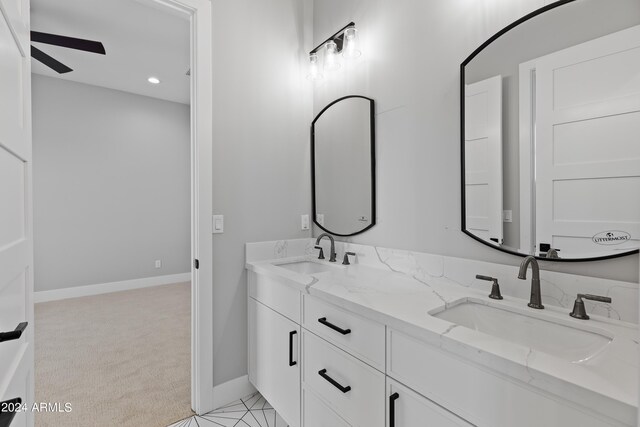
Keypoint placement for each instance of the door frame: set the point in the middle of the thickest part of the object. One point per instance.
(198, 12)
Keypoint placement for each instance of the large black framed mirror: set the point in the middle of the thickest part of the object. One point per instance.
(343, 177)
(550, 117)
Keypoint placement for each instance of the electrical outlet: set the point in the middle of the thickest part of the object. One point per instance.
(158, 263)
(507, 216)
(304, 222)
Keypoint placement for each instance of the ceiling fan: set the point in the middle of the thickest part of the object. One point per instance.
(62, 41)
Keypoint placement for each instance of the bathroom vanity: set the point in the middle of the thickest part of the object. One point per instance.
(401, 339)
(392, 341)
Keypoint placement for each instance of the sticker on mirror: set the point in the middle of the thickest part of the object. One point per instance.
(612, 237)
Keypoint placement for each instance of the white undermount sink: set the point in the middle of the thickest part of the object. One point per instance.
(307, 267)
(563, 341)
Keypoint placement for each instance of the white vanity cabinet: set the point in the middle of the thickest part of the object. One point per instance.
(274, 344)
(320, 365)
(406, 408)
(274, 366)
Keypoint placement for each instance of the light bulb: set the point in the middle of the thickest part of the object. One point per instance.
(331, 61)
(351, 47)
(153, 80)
(314, 69)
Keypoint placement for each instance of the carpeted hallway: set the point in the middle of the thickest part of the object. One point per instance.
(120, 359)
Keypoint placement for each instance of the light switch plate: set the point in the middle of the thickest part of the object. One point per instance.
(507, 216)
(304, 222)
(218, 224)
(158, 263)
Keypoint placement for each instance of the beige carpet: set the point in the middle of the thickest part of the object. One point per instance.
(120, 359)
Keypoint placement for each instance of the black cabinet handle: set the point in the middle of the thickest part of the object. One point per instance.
(392, 409)
(324, 321)
(291, 361)
(8, 410)
(336, 384)
(15, 334)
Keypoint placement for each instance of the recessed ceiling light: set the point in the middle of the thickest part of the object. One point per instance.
(153, 80)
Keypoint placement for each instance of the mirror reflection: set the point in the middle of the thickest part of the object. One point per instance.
(343, 150)
(551, 119)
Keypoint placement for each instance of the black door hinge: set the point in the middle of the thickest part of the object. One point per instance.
(196, 264)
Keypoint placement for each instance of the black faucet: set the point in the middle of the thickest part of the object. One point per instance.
(332, 254)
(536, 296)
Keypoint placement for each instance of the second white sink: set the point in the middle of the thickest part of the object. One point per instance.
(545, 335)
(307, 267)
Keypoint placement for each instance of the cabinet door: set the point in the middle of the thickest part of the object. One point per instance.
(274, 362)
(406, 408)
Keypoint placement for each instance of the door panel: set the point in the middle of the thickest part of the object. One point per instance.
(483, 159)
(587, 155)
(12, 194)
(16, 240)
(19, 387)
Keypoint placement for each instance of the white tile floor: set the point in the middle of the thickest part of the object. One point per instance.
(252, 411)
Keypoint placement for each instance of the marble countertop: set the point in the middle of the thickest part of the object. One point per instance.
(403, 302)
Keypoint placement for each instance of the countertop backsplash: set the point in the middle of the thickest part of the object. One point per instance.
(558, 289)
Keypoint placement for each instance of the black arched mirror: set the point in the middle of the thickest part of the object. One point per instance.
(343, 166)
(550, 113)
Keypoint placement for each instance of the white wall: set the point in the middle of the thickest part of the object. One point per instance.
(410, 66)
(111, 185)
(261, 119)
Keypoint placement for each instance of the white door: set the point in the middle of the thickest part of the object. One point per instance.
(274, 360)
(407, 408)
(16, 248)
(587, 150)
(483, 159)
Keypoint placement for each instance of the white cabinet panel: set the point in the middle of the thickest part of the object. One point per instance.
(408, 409)
(316, 414)
(274, 360)
(275, 294)
(486, 399)
(363, 404)
(365, 339)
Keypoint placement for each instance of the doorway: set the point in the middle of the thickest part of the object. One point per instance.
(199, 142)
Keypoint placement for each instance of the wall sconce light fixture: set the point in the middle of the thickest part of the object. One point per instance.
(344, 42)
(314, 67)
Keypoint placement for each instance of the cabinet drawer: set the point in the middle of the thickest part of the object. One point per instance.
(483, 397)
(358, 336)
(352, 388)
(316, 414)
(407, 408)
(275, 294)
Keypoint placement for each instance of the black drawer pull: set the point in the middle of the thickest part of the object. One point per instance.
(15, 334)
(8, 410)
(291, 361)
(324, 321)
(336, 384)
(392, 409)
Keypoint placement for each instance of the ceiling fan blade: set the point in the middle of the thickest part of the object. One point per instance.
(68, 42)
(50, 62)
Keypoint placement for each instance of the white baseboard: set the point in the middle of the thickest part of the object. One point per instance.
(231, 391)
(105, 288)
